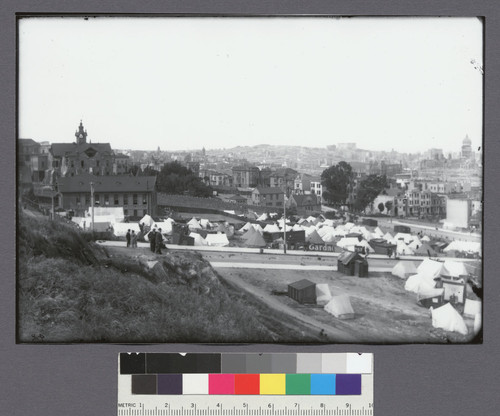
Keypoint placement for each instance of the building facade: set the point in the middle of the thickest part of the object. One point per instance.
(70, 159)
(268, 197)
(136, 194)
(245, 176)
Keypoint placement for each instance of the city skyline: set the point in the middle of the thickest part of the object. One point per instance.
(408, 84)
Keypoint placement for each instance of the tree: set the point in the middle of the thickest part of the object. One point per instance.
(175, 178)
(336, 180)
(369, 189)
(388, 206)
(134, 170)
(381, 207)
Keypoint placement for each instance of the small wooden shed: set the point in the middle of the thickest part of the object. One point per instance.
(303, 291)
(346, 262)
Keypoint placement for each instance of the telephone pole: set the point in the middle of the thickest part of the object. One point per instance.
(92, 203)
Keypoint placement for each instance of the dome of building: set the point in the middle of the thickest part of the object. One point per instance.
(467, 140)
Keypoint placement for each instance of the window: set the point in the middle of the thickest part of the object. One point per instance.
(134, 199)
(82, 163)
(97, 163)
(78, 200)
(116, 199)
(135, 213)
(125, 211)
(144, 199)
(279, 204)
(106, 199)
(125, 199)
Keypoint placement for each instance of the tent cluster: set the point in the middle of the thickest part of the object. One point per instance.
(427, 279)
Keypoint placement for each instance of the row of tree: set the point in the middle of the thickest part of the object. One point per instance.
(338, 183)
(176, 179)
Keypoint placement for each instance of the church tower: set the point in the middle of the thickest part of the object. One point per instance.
(81, 134)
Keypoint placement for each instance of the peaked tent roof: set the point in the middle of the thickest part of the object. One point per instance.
(251, 231)
(404, 268)
(314, 238)
(340, 306)
(256, 240)
(425, 250)
(447, 318)
(217, 240)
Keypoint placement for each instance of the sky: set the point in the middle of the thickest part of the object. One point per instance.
(406, 84)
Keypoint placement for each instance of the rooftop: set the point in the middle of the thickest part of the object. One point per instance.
(115, 183)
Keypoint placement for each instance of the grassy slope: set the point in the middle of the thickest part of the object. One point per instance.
(70, 291)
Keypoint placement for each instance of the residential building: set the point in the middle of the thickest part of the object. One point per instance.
(304, 204)
(121, 164)
(268, 197)
(245, 176)
(283, 178)
(30, 155)
(136, 194)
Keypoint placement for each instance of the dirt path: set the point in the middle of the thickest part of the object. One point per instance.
(331, 333)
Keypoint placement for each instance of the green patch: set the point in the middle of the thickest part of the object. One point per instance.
(298, 384)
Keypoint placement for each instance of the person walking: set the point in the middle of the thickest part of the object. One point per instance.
(152, 240)
(133, 239)
(158, 241)
(127, 236)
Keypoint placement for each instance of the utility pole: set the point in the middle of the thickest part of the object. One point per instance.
(92, 205)
(284, 221)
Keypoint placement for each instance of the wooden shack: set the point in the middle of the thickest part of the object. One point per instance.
(303, 291)
(346, 262)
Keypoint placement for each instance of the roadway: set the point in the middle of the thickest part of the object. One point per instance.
(241, 257)
(427, 229)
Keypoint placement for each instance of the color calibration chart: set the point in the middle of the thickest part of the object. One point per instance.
(219, 384)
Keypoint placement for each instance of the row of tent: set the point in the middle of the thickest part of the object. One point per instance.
(421, 279)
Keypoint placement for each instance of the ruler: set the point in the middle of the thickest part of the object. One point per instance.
(247, 406)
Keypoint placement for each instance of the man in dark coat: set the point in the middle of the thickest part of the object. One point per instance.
(158, 241)
(152, 240)
(127, 236)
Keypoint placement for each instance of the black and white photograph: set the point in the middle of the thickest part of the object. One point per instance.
(308, 180)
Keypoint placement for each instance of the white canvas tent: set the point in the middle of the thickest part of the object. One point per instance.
(340, 307)
(403, 269)
(430, 267)
(271, 228)
(114, 213)
(447, 318)
(198, 239)
(251, 231)
(246, 227)
(466, 246)
(120, 228)
(425, 238)
(263, 217)
(217, 240)
(147, 220)
(323, 295)
(402, 249)
(194, 224)
(378, 232)
(454, 268)
(472, 307)
(258, 228)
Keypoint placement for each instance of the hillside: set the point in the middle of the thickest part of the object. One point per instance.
(72, 290)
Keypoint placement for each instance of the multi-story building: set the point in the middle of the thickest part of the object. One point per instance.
(283, 178)
(32, 157)
(70, 159)
(268, 197)
(136, 194)
(245, 176)
(121, 164)
(304, 204)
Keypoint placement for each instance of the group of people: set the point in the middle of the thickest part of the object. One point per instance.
(155, 240)
(131, 238)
